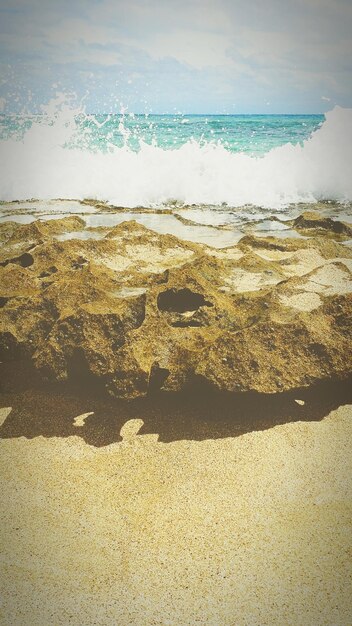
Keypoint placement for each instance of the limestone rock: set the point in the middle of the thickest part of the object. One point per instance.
(313, 220)
(137, 312)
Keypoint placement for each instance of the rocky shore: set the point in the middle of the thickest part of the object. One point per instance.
(139, 312)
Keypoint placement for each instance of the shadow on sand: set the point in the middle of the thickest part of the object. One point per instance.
(200, 413)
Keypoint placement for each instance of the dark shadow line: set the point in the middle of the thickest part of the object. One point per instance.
(197, 414)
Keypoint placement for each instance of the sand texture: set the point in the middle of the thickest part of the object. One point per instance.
(248, 531)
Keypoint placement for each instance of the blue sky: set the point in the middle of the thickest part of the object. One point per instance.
(187, 56)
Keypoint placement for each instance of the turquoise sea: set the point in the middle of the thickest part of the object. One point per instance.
(153, 160)
(250, 134)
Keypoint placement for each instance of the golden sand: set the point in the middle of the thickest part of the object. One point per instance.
(249, 530)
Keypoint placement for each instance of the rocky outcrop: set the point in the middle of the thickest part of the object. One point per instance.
(313, 220)
(139, 312)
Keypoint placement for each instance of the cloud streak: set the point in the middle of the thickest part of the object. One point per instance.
(225, 56)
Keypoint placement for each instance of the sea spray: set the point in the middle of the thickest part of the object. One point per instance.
(68, 154)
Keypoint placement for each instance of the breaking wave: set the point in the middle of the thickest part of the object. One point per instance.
(45, 162)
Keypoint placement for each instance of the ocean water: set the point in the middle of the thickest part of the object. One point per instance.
(160, 160)
(250, 134)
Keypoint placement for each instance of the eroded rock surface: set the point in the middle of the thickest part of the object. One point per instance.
(139, 311)
(313, 220)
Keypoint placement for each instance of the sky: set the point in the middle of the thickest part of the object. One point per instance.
(177, 56)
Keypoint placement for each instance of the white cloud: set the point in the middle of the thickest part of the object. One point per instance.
(273, 51)
(197, 49)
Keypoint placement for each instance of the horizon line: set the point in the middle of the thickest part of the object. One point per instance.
(2, 114)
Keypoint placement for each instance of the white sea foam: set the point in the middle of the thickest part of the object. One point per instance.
(40, 166)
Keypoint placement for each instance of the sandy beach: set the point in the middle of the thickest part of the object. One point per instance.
(252, 530)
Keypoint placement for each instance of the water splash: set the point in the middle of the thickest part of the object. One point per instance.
(65, 153)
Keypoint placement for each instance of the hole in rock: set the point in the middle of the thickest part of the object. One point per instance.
(78, 370)
(3, 301)
(181, 300)
(48, 272)
(318, 349)
(157, 377)
(25, 260)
